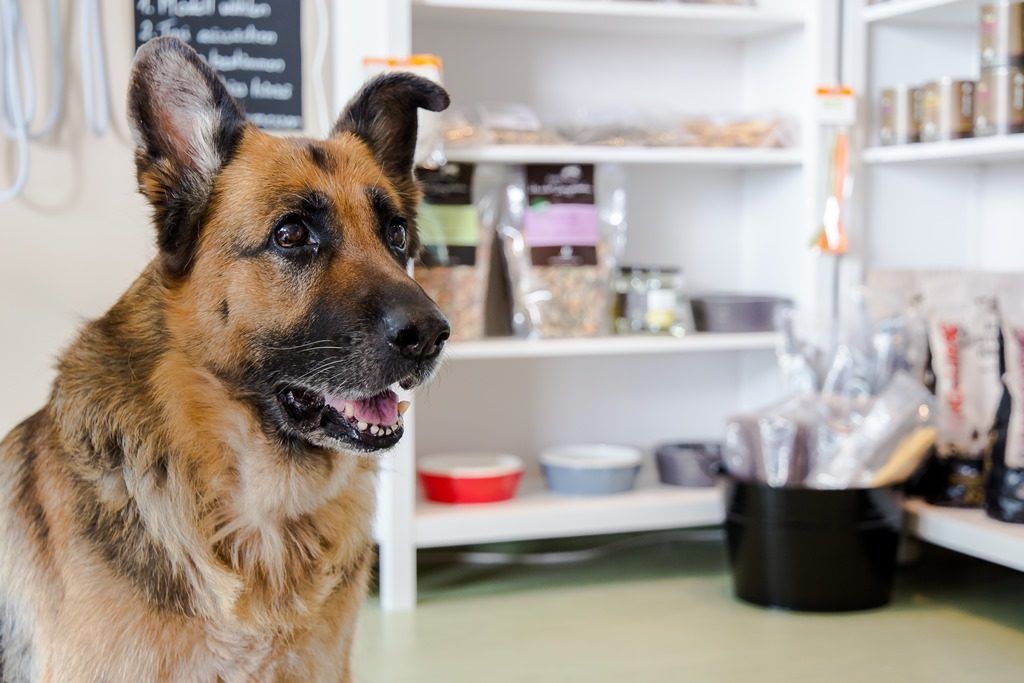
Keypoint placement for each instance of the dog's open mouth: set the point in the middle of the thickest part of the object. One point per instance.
(364, 424)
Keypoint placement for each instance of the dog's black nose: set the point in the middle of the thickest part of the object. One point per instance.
(416, 333)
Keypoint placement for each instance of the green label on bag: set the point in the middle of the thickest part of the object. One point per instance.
(448, 222)
(448, 225)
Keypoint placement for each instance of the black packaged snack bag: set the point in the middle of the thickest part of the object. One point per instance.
(963, 336)
(1004, 491)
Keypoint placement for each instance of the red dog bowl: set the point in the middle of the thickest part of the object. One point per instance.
(469, 478)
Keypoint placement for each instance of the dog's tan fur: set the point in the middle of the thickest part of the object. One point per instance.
(151, 529)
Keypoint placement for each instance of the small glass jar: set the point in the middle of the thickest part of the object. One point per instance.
(651, 300)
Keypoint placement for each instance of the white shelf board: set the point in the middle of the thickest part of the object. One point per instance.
(683, 156)
(538, 513)
(986, 150)
(610, 15)
(968, 531)
(609, 346)
(955, 12)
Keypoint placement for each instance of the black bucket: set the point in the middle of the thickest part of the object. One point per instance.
(813, 550)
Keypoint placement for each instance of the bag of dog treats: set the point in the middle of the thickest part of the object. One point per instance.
(456, 218)
(899, 338)
(1004, 496)
(563, 229)
(963, 333)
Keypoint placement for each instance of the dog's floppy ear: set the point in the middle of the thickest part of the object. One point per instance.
(186, 127)
(383, 115)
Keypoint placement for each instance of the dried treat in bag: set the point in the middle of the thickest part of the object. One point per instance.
(562, 229)
(963, 332)
(1004, 495)
(455, 235)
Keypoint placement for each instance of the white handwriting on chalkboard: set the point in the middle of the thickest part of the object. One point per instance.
(244, 8)
(250, 35)
(205, 8)
(240, 60)
(279, 121)
(178, 8)
(260, 89)
(167, 27)
(238, 89)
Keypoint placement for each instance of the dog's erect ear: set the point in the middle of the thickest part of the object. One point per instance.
(383, 115)
(186, 127)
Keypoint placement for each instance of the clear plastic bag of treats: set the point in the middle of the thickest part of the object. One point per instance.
(456, 226)
(563, 228)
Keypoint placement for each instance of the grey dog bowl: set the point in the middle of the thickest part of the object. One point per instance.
(737, 312)
(584, 482)
(689, 464)
(591, 469)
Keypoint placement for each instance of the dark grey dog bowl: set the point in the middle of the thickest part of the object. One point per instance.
(737, 312)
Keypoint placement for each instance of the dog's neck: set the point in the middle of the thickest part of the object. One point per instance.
(252, 529)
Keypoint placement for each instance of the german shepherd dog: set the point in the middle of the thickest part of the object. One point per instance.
(194, 502)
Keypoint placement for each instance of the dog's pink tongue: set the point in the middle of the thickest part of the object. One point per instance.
(381, 409)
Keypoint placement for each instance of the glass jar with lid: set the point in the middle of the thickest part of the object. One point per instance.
(651, 300)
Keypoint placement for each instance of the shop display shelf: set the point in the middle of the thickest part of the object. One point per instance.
(610, 346)
(538, 513)
(682, 156)
(967, 531)
(603, 15)
(987, 150)
(940, 12)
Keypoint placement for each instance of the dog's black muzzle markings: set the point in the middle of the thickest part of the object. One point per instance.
(394, 337)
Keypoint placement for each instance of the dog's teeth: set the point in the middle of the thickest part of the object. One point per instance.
(362, 426)
(349, 410)
(399, 423)
(374, 429)
(402, 407)
(389, 431)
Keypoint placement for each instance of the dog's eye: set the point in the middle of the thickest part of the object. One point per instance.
(397, 234)
(290, 235)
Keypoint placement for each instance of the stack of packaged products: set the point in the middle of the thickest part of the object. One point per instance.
(953, 108)
(975, 333)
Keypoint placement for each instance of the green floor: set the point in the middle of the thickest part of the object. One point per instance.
(665, 613)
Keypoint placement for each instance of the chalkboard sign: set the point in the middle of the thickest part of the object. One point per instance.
(253, 44)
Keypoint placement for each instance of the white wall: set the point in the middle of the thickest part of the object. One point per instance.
(78, 235)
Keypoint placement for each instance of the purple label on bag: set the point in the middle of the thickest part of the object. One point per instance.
(561, 223)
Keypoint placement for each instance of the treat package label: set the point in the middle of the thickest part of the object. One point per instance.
(448, 221)
(456, 227)
(963, 332)
(560, 224)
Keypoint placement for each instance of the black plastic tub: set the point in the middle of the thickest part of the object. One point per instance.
(812, 550)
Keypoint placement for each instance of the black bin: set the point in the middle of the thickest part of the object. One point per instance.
(812, 550)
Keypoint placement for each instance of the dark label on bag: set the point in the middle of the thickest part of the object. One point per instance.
(560, 183)
(435, 255)
(565, 255)
(449, 225)
(561, 221)
(449, 185)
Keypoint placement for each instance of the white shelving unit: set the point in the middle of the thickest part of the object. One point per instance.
(636, 16)
(991, 150)
(538, 513)
(733, 219)
(496, 349)
(677, 156)
(968, 531)
(937, 12)
(935, 205)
